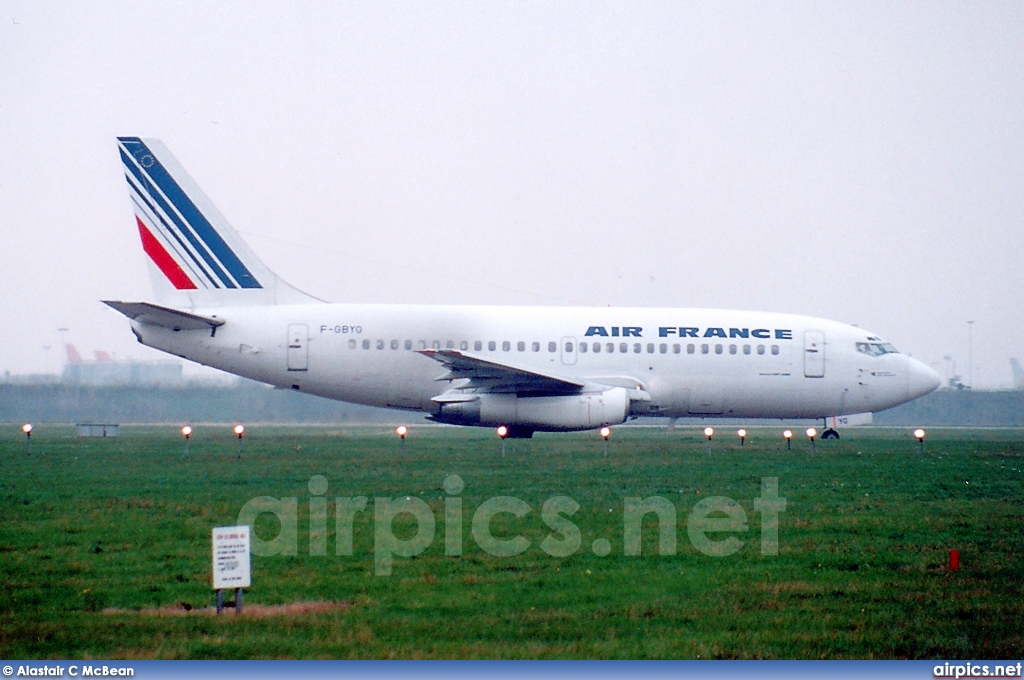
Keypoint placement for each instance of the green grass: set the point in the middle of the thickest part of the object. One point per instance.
(90, 525)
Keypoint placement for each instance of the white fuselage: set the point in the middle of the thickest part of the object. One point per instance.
(766, 366)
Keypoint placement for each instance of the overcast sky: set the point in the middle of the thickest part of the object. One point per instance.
(862, 162)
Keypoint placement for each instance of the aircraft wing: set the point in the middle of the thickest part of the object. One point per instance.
(499, 377)
(145, 312)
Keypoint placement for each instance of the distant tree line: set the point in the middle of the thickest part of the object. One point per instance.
(56, 403)
(253, 403)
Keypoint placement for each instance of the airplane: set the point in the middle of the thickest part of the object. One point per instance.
(521, 368)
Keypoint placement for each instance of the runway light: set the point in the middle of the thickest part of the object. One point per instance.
(502, 432)
(27, 429)
(605, 433)
(402, 430)
(186, 431)
(811, 433)
(709, 432)
(788, 436)
(742, 434)
(919, 434)
(239, 430)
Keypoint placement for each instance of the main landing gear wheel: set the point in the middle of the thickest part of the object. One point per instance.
(830, 434)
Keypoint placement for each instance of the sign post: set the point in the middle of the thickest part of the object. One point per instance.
(231, 563)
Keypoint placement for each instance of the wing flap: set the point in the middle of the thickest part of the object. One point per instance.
(498, 377)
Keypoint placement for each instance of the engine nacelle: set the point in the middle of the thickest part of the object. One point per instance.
(552, 414)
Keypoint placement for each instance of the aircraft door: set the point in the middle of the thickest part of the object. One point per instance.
(298, 347)
(814, 354)
(569, 351)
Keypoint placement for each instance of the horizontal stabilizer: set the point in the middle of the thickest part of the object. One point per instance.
(155, 315)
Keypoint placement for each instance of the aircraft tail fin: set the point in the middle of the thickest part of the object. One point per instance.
(1018, 374)
(196, 258)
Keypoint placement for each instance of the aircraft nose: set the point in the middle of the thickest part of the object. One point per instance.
(922, 379)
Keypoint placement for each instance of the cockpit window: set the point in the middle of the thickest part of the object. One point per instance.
(876, 349)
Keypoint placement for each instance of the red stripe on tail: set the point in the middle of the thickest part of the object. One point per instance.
(162, 259)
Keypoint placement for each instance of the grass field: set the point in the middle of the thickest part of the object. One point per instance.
(97, 536)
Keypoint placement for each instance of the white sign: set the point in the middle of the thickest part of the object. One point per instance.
(231, 557)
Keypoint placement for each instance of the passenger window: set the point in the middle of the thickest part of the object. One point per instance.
(732, 349)
(380, 344)
(597, 347)
(366, 344)
(676, 348)
(584, 347)
(760, 349)
(568, 347)
(718, 349)
(506, 346)
(535, 347)
(491, 346)
(477, 346)
(636, 348)
(464, 345)
(521, 346)
(436, 344)
(746, 349)
(610, 348)
(691, 348)
(450, 344)
(650, 348)
(422, 344)
(351, 344)
(775, 349)
(553, 347)
(394, 344)
(663, 348)
(623, 347)
(704, 349)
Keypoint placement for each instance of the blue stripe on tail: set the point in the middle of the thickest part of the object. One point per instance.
(202, 228)
(220, 278)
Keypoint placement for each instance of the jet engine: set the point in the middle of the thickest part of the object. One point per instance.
(584, 411)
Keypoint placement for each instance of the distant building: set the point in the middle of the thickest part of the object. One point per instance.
(105, 371)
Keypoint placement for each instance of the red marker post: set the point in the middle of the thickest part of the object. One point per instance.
(954, 560)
